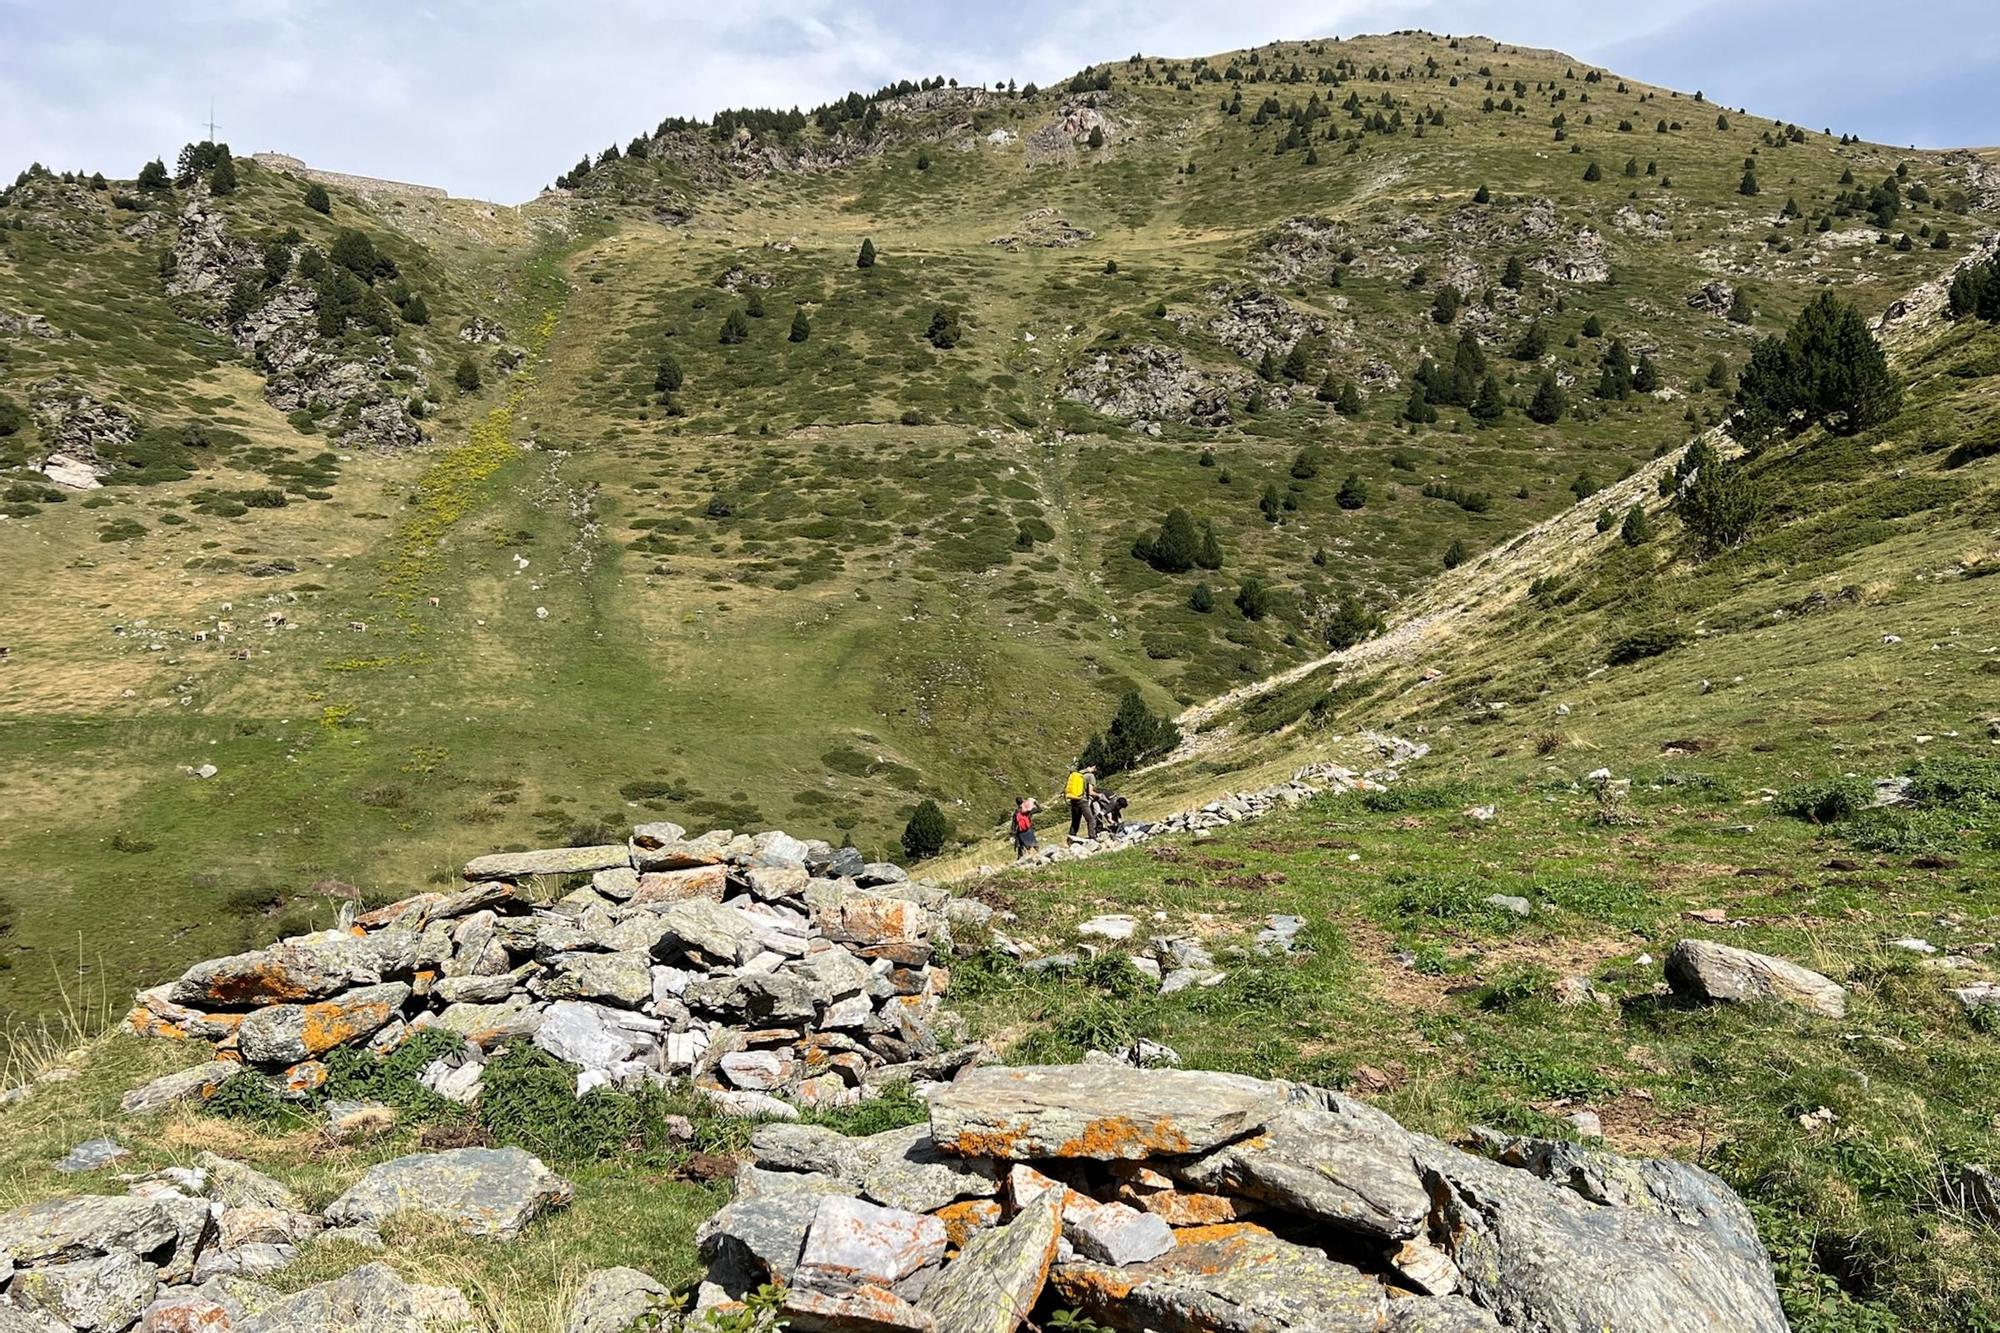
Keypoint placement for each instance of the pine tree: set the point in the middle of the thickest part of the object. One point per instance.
(1096, 139)
(801, 326)
(943, 330)
(866, 259)
(1488, 408)
(1593, 172)
(1827, 370)
(1202, 599)
(1637, 529)
(1295, 366)
(1444, 308)
(1514, 274)
(1267, 366)
(1614, 380)
(1348, 404)
(1208, 553)
(1172, 550)
(1353, 493)
(927, 832)
(1418, 409)
(1269, 503)
(1482, 195)
(1549, 404)
(153, 176)
(1253, 598)
(754, 307)
(222, 177)
(1329, 390)
(923, 161)
(1593, 327)
(1718, 374)
(1534, 342)
(317, 198)
(1646, 377)
(1748, 185)
(1455, 554)
(466, 377)
(735, 328)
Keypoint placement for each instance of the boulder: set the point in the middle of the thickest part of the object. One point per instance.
(618, 978)
(1348, 1164)
(1229, 1279)
(487, 1192)
(1704, 970)
(615, 1300)
(98, 1295)
(865, 1309)
(284, 1034)
(554, 861)
(594, 1037)
(757, 1238)
(1669, 1249)
(710, 929)
(234, 1185)
(490, 1024)
(852, 1242)
(371, 1299)
(66, 1230)
(1105, 1112)
(998, 1275)
(709, 882)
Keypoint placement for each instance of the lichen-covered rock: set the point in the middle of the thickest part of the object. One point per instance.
(1678, 1253)
(852, 1242)
(998, 1274)
(285, 1034)
(1229, 1279)
(89, 1225)
(1104, 1112)
(310, 967)
(487, 1192)
(98, 1295)
(552, 861)
(371, 1299)
(1704, 970)
(1348, 1164)
(615, 1300)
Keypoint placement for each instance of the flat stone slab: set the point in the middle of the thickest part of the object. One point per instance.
(1104, 1112)
(284, 1034)
(66, 1230)
(371, 1299)
(998, 1274)
(1227, 1279)
(1705, 970)
(93, 1155)
(852, 1242)
(489, 1192)
(552, 861)
(614, 1300)
(1350, 1164)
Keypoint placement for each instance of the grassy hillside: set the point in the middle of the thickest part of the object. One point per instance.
(834, 575)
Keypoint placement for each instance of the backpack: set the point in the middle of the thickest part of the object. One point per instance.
(1022, 821)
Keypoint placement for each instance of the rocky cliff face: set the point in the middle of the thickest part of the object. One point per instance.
(358, 384)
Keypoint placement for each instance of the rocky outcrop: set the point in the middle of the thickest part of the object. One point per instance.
(1302, 249)
(360, 385)
(1125, 1199)
(78, 432)
(761, 967)
(1043, 229)
(1251, 321)
(1144, 382)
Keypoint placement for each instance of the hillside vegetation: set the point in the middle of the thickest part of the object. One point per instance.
(649, 499)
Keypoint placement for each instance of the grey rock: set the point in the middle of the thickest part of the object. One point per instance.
(311, 967)
(877, 873)
(614, 1300)
(757, 1239)
(1348, 1164)
(1245, 1283)
(98, 1295)
(998, 1275)
(1116, 928)
(19, 1319)
(235, 1185)
(1115, 1233)
(899, 1168)
(89, 1225)
(488, 1192)
(617, 978)
(1704, 970)
(93, 1155)
(371, 1299)
(1676, 1252)
(251, 1259)
(489, 1024)
(1097, 1111)
(475, 989)
(284, 1034)
(710, 928)
(553, 861)
(1508, 902)
(852, 1242)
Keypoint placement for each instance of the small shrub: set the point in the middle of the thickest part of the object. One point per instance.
(1825, 802)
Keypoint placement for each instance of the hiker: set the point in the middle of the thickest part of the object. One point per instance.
(1082, 782)
(1024, 825)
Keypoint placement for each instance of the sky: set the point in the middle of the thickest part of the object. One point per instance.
(494, 98)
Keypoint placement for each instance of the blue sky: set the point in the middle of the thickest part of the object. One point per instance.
(493, 98)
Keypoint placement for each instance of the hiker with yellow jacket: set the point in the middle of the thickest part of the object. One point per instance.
(1082, 782)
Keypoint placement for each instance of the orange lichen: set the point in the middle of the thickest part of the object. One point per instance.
(963, 1218)
(1118, 1136)
(1191, 1210)
(1002, 1141)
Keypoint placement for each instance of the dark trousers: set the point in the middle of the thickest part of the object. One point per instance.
(1075, 817)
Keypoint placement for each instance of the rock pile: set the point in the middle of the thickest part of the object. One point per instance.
(761, 967)
(183, 1248)
(1167, 1199)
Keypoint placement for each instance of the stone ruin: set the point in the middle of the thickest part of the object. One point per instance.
(1179, 1200)
(772, 972)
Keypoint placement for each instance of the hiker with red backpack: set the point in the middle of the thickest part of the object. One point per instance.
(1024, 826)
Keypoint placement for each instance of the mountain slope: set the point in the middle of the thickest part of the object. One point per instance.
(830, 576)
